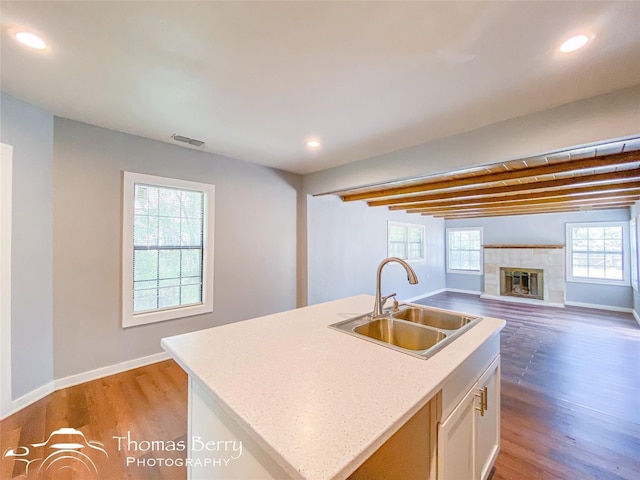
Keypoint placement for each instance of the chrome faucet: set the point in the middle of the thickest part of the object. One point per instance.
(380, 300)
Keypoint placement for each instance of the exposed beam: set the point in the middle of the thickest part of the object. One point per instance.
(533, 208)
(547, 208)
(591, 197)
(451, 216)
(550, 169)
(521, 187)
(603, 189)
(532, 212)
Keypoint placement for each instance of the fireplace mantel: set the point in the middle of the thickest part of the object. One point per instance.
(523, 246)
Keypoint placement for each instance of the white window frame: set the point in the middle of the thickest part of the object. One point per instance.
(633, 252)
(423, 259)
(625, 253)
(461, 271)
(637, 258)
(129, 318)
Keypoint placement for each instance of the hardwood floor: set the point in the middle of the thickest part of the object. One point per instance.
(570, 402)
(570, 390)
(145, 404)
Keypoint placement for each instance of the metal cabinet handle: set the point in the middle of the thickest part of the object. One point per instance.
(483, 395)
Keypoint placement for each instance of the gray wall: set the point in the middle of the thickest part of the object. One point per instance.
(544, 229)
(30, 132)
(255, 242)
(347, 241)
(597, 119)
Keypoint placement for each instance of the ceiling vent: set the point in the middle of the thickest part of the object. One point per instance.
(190, 141)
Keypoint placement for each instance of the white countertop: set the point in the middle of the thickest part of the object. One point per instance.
(318, 400)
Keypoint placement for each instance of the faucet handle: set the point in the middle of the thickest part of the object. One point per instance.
(384, 299)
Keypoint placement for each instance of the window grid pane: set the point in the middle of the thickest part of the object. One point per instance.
(168, 241)
(464, 250)
(406, 242)
(597, 252)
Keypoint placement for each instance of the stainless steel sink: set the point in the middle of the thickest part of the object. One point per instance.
(401, 334)
(415, 330)
(434, 318)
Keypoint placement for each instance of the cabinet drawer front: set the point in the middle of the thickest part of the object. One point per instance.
(467, 374)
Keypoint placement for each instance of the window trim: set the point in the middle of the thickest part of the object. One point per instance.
(633, 251)
(129, 318)
(625, 253)
(391, 223)
(460, 271)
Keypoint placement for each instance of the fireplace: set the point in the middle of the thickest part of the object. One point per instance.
(514, 273)
(520, 282)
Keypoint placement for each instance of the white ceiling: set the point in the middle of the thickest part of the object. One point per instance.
(254, 80)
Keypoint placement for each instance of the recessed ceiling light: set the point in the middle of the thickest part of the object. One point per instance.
(313, 143)
(574, 43)
(31, 40)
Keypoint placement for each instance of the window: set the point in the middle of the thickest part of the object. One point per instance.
(406, 241)
(464, 250)
(596, 252)
(167, 249)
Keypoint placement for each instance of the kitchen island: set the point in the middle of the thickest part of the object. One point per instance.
(310, 402)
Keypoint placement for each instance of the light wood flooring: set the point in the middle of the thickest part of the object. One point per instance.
(144, 404)
(570, 401)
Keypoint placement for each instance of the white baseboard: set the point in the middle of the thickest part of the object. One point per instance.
(505, 298)
(528, 301)
(598, 306)
(459, 290)
(70, 381)
(424, 295)
(79, 378)
(441, 290)
(27, 399)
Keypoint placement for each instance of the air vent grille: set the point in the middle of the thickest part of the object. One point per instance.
(190, 141)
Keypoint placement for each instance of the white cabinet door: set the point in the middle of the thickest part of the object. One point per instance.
(469, 438)
(487, 432)
(456, 437)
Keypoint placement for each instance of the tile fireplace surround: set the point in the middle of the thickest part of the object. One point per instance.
(549, 258)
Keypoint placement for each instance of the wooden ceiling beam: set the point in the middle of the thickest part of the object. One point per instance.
(501, 213)
(579, 191)
(521, 173)
(587, 197)
(606, 178)
(523, 208)
(548, 208)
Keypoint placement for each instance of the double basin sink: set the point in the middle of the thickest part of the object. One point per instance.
(416, 330)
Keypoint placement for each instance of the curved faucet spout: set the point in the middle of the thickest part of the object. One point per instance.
(411, 277)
